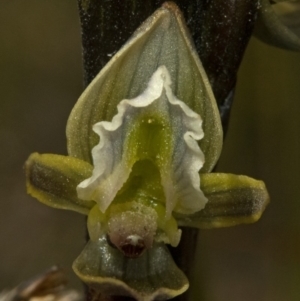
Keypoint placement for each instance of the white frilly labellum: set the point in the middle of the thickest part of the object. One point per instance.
(179, 171)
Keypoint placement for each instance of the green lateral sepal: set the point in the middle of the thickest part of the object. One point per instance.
(52, 179)
(232, 200)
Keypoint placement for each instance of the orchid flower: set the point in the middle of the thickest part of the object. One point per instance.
(142, 141)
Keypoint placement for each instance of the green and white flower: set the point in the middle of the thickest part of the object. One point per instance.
(142, 141)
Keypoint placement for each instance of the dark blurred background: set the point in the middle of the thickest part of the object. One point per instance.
(41, 79)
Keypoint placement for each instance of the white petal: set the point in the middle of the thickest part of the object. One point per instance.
(115, 155)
